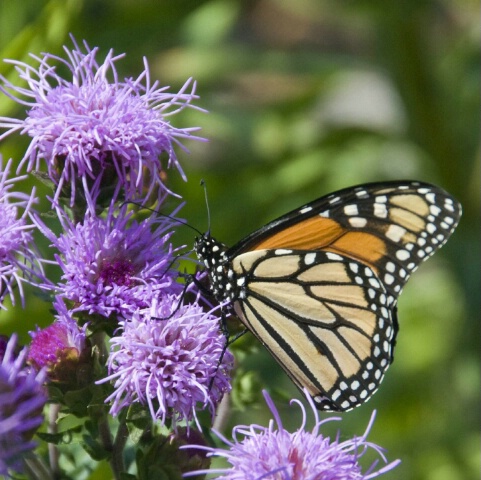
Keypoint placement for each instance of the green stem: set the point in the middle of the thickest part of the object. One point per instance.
(117, 460)
(53, 454)
(35, 469)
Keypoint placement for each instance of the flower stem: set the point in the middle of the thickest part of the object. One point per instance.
(53, 453)
(35, 469)
(117, 459)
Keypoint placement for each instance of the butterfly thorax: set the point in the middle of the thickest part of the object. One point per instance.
(223, 279)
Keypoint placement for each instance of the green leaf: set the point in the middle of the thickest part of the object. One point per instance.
(66, 437)
(95, 449)
(77, 401)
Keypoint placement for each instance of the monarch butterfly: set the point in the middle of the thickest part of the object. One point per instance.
(319, 285)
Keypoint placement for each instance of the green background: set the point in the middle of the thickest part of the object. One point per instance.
(306, 97)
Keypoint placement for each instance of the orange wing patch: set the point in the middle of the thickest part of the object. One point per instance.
(310, 234)
(324, 233)
(360, 246)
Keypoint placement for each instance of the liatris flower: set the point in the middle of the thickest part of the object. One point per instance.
(61, 348)
(276, 454)
(22, 401)
(19, 261)
(93, 131)
(171, 358)
(114, 265)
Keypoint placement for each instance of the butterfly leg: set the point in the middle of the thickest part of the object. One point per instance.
(177, 307)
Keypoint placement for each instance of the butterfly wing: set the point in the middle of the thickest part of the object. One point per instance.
(324, 317)
(391, 227)
(320, 284)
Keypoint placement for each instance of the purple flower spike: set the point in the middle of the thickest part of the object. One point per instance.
(94, 131)
(19, 261)
(114, 265)
(274, 453)
(22, 401)
(168, 359)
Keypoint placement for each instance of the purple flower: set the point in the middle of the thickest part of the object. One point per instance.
(94, 131)
(22, 400)
(114, 265)
(274, 453)
(19, 261)
(168, 359)
(60, 347)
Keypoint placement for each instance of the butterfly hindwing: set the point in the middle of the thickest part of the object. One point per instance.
(324, 317)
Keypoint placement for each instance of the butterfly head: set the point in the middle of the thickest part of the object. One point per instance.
(209, 251)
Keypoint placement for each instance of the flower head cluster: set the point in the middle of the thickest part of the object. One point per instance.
(97, 134)
(113, 264)
(104, 144)
(19, 260)
(277, 454)
(171, 358)
(60, 348)
(22, 401)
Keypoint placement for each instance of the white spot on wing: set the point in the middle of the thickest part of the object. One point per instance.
(395, 232)
(333, 256)
(335, 395)
(380, 210)
(358, 222)
(390, 267)
(351, 210)
(388, 279)
(282, 251)
(305, 209)
(402, 255)
(309, 258)
(435, 210)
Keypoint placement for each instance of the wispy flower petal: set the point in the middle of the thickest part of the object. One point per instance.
(272, 452)
(19, 259)
(113, 264)
(171, 358)
(22, 400)
(94, 132)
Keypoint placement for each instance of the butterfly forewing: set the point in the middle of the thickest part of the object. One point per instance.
(319, 285)
(392, 227)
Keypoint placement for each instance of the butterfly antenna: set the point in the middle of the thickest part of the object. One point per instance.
(202, 183)
(174, 219)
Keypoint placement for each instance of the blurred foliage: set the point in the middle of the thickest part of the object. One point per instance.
(306, 97)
